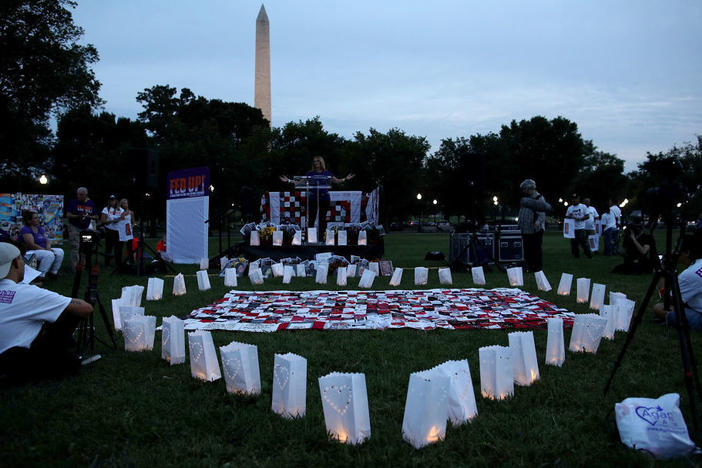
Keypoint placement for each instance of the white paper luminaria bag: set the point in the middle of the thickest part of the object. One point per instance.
(203, 280)
(426, 408)
(203, 357)
(288, 273)
(116, 315)
(421, 275)
(374, 267)
(322, 273)
(179, 285)
(154, 289)
(223, 262)
(525, 365)
(342, 237)
(461, 397)
(254, 239)
(515, 276)
(587, 333)
(541, 281)
(289, 385)
(230, 279)
(139, 333)
(240, 366)
(583, 287)
(478, 275)
(341, 276)
(300, 270)
(396, 277)
(277, 269)
(311, 235)
(127, 312)
(329, 238)
(445, 276)
(131, 295)
(608, 312)
(345, 405)
(204, 263)
(362, 238)
(598, 295)
(624, 310)
(297, 238)
(565, 284)
(351, 271)
(496, 374)
(255, 276)
(367, 279)
(277, 238)
(173, 340)
(555, 344)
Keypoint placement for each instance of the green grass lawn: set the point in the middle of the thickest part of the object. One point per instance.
(133, 409)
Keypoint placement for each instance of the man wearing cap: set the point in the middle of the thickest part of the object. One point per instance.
(110, 217)
(532, 222)
(580, 214)
(80, 213)
(36, 325)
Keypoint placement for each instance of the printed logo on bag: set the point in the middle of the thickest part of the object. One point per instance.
(654, 415)
(338, 398)
(282, 375)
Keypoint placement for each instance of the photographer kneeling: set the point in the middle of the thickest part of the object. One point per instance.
(36, 325)
(690, 282)
(639, 250)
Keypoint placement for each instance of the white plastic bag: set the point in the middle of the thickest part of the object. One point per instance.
(654, 425)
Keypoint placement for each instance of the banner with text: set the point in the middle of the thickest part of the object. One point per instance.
(187, 210)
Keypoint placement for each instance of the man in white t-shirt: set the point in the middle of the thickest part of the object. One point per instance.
(690, 282)
(617, 213)
(580, 214)
(609, 230)
(36, 325)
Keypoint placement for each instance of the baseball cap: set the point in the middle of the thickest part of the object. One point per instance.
(8, 252)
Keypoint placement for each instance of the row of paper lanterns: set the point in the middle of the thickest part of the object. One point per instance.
(434, 397)
(342, 237)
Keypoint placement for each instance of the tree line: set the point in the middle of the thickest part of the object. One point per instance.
(46, 74)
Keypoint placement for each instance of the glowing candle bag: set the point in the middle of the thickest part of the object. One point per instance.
(342, 238)
(230, 279)
(322, 273)
(277, 269)
(421, 275)
(362, 238)
(289, 385)
(329, 238)
(341, 276)
(583, 289)
(541, 281)
(345, 405)
(255, 276)
(445, 276)
(131, 295)
(624, 310)
(598, 295)
(173, 340)
(565, 284)
(461, 397)
(116, 315)
(367, 279)
(587, 333)
(426, 408)
(240, 366)
(396, 278)
(496, 374)
(525, 365)
(288, 273)
(478, 275)
(515, 276)
(277, 238)
(179, 285)
(154, 289)
(204, 263)
(311, 235)
(203, 281)
(555, 344)
(351, 270)
(616, 296)
(203, 357)
(297, 238)
(254, 238)
(139, 333)
(608, 312)
(128, 311)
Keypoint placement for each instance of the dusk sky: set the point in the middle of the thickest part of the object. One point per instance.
(628, 72)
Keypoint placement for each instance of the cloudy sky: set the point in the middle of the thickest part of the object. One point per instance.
(628, 72)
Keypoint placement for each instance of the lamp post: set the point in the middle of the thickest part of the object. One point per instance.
(43, 180)
(435, 202)
(419, 224)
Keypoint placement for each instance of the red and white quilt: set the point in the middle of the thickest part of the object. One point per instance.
(452, 309)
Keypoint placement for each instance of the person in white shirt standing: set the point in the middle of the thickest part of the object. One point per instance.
(617, 213)
(111, 215)
(36, 325)
(579, 213)
(591, 222)
(609, 232)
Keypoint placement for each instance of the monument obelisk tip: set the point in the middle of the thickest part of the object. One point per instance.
(262, 83)
(262, 16)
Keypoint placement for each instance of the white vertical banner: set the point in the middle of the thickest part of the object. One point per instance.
(187, 213)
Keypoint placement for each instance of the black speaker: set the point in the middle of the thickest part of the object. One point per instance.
(143, 168)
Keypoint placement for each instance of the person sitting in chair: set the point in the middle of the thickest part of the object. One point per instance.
(36, 325)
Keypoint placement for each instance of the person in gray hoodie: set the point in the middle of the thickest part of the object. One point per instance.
(532, 222)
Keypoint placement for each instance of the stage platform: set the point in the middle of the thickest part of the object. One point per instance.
(305, 251)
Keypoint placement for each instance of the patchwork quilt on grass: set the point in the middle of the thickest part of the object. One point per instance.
(452, 309)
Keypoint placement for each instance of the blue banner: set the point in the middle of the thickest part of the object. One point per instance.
(188, 183)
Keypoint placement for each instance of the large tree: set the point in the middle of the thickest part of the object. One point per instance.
(43, 71)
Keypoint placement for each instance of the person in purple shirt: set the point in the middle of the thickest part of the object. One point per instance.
(318, 197)
(81, 211)
(33, 236)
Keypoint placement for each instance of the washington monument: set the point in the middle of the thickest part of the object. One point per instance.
(262, 84)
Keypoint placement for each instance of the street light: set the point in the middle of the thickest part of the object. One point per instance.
(419, 196)
(43, 180)
(211, 188)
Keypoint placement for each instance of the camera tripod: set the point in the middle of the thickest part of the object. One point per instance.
(666, 270)
(86, 327)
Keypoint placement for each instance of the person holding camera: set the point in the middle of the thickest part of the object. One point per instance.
(81, 211)
(33, 236)
(639, 250)
(110, 217)
(532, 222)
